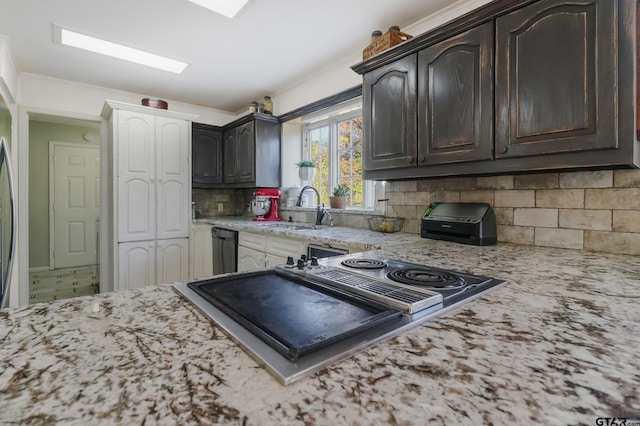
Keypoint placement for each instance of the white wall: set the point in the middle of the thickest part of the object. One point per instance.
(68, 97)
(337, 77)
(7, 73)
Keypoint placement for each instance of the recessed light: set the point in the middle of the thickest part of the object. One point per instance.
(228, 8)
(92, 44)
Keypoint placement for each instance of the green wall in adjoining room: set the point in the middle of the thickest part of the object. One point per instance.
(40, 134)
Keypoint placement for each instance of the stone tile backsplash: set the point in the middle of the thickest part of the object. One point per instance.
(591, 210)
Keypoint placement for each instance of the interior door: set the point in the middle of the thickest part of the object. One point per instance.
(75, 194)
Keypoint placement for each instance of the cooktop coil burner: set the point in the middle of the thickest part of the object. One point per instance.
(428, 278)
(364, 263)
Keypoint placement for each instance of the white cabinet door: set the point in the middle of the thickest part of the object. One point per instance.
(250, 260)
(200, 251)
(136, 266)
(252, 240)
(136, 176)
(282, 247)
(273, 261)
(172, 178)
(172, 260)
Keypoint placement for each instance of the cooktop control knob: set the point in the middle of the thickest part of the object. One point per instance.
(290, 260)
(314, 261)
(301, 264)
(303, 257)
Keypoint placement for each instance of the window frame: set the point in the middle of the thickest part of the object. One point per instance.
(331, 119)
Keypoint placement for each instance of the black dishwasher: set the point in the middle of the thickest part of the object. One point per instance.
(225, 250)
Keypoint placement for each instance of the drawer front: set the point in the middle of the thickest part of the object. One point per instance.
(283, 247)
(251, 240)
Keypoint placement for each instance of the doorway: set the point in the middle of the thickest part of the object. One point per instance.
(65, 174)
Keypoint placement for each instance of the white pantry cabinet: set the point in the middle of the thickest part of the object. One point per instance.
(147, 195)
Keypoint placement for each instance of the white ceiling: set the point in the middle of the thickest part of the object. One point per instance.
(269, 45)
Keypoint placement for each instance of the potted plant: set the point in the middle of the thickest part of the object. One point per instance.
(339, 199)
(306, 171)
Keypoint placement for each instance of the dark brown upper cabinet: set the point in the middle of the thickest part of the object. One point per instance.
(389, 116)
(455, 98)
(206, 154)
(556, 68)
(251, 152)
(239, 154)
(554, 79)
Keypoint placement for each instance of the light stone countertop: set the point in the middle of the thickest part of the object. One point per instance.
(559, 344)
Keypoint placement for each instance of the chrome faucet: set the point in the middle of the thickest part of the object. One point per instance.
(321, 211)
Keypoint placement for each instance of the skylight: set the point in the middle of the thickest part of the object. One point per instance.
(92, 44)
(228, 8)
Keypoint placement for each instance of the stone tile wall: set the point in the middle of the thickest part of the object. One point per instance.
(233, 202)
(594, 211)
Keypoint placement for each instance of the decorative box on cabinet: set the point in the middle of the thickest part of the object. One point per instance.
(564, 95)
(251, 152)
(146, 207)
(206, 151)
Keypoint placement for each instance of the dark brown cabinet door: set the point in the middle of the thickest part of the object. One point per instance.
(206, 150)
(389, 115)
(230, 163)
(555, 76)
(245, 153)
(455, 98)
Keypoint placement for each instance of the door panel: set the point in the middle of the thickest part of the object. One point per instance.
(455, 98)
(172, 178)
(250, 260)
(76, 208)
(200, 251)
(246, 152)
(136, 265)
(230, 165)
(136, 209)
(389, 115)
(207, 156)
(172, 261)
(136, 177)
(556, 96)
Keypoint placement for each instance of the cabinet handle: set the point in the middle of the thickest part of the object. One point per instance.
(503, 149)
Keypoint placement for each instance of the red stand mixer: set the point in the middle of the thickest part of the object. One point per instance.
(265, 205)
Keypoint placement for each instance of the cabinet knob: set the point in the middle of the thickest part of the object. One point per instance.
(422, 159)
(411, 159)
(503, 149)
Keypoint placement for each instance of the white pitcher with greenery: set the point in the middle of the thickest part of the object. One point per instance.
(306, 171)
